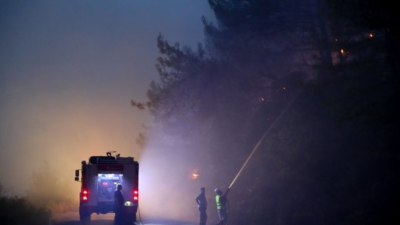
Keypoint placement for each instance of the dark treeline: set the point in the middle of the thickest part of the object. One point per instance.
(331, 158)
(47, 197)
(18, 210)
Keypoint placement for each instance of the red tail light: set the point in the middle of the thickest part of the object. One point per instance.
(85, 195)
(135, 195)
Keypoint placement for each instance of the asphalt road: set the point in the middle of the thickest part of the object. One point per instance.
(108, 219)
(111, 222)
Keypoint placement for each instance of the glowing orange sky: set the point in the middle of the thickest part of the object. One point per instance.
(68, 72)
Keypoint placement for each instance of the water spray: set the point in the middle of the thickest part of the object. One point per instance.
(262, 138)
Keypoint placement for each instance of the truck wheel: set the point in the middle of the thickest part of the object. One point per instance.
(85, 219)
(130, 218)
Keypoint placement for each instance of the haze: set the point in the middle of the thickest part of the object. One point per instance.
(68, 72)
(311, 83)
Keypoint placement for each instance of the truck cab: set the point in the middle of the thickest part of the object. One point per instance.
(99, 177)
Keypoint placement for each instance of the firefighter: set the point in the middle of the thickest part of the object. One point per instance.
(202, 204)
(118, 205)
(222, 200)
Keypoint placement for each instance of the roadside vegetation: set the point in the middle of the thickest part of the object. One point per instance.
(48, 198)
(331, 157)
(15, 210)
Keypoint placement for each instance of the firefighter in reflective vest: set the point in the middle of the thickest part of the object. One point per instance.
(222, 200)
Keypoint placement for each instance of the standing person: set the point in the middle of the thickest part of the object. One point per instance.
(222, 200)
(202, 204)
(118, 205)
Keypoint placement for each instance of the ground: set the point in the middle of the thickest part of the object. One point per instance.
(108, 219)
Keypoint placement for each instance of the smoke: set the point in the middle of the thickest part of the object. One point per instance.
(51, 191)
(170, 179)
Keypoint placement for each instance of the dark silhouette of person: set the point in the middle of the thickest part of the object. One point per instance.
(118, 205)
(202, 204)
(222, 200)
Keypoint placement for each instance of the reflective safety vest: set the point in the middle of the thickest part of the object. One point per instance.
(220, 204)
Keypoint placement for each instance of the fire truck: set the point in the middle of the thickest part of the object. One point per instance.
(99, 177)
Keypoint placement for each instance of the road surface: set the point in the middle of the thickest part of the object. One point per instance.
(111, 222)
(108, 219)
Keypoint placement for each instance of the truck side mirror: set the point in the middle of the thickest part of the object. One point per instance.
(76, 175)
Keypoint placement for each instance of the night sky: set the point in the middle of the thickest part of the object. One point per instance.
(68, 70)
